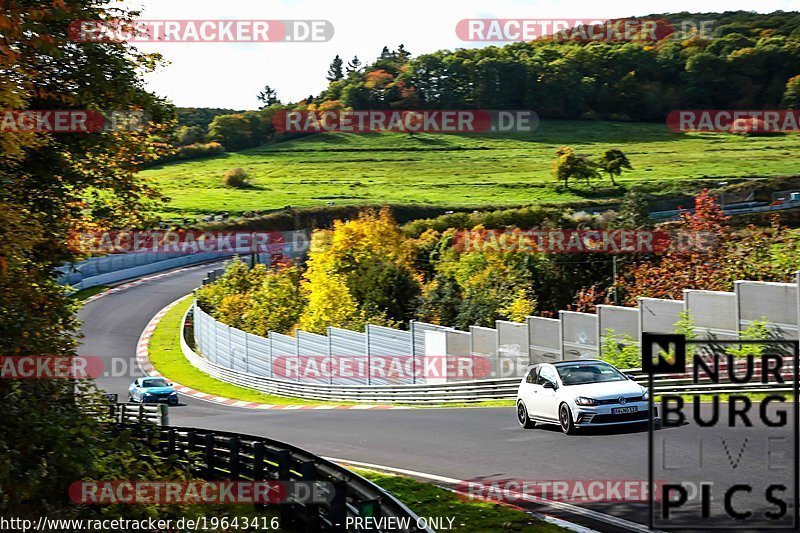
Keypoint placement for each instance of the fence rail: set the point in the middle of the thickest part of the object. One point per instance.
(129, 413)
(219, 455)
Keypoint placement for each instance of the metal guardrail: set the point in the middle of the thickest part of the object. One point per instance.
(729, 210)
(129, 413)
(219, 455)
(466, 392)
(456, 392)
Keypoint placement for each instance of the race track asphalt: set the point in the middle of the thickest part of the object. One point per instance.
(458, 443)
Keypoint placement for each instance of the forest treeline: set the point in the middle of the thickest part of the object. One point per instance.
(749, 61)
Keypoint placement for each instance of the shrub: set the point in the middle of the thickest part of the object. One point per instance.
(200, 150)
(621, 351)
(236, 177)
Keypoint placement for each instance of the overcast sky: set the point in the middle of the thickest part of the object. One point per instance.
(231, 74)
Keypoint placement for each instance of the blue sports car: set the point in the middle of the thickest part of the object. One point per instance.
(145, 390)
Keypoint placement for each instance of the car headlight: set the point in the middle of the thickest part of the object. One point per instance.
(173, 393)
(583, 400)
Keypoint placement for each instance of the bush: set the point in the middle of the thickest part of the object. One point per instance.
(200, 150)
(621, 351)
(236, 177)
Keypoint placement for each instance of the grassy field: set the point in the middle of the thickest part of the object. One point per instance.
(462, 170)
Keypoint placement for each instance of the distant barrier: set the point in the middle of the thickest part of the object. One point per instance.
(117, 267)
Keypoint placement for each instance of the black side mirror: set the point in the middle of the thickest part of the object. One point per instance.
(630, 377)
(549, 385)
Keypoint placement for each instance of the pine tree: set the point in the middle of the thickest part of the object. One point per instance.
(402, 53)
(268, 97)
(335, 71)
(354, 65)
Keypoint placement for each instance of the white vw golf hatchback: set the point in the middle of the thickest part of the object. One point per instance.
(575, 394)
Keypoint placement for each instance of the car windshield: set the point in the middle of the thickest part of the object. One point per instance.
(154, 383)
(581, 374)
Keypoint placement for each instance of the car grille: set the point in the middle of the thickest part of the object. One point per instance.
(613, 401)
(623, 417)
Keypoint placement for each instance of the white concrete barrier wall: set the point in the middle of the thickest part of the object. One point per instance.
(545, 339)
(776, 303)
(578, 335)
(513, 348)
(659, 316)
(509, 345)
(621, 323)
(713, 314)
(484, 343)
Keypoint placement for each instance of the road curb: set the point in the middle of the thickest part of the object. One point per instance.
(143, 358)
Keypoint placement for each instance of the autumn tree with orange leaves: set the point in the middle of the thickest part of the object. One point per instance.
(50, 185)
(716, 256)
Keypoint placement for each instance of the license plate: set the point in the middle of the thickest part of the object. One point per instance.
(621, 410)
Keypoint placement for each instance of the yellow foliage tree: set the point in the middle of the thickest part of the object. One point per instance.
(329, 302)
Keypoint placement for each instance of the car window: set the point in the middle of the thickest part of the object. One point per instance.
(595, 372)
(532, 375)
(546, 374)
(155, 383)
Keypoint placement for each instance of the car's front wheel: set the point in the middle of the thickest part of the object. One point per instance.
(522, 416)
(565, 417)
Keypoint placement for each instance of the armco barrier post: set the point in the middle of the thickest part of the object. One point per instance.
(163, 414)
(234, 457)
(209, 455)
(172, 441)
(191, 440)
(308, 471)
(284, 459)
(258, 461)
(339, 506)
